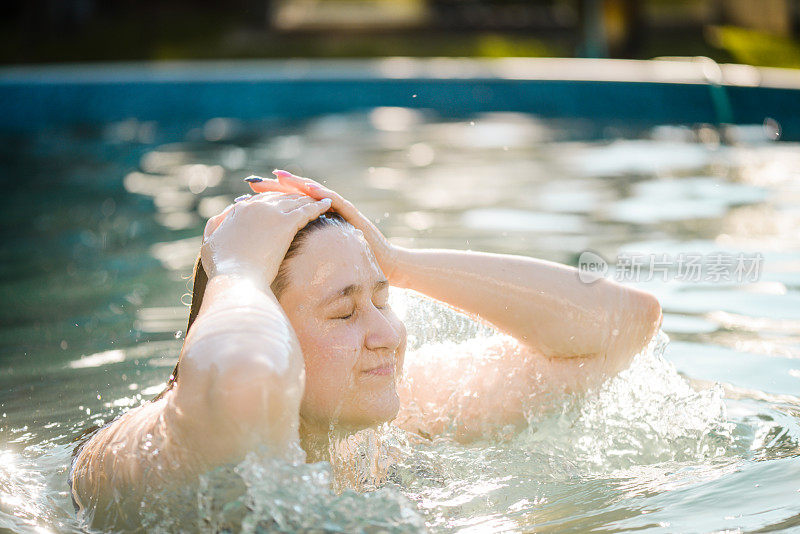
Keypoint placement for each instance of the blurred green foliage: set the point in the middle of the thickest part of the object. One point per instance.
(756, 47)
(496, 45)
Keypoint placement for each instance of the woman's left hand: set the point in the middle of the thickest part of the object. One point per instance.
(385, 252)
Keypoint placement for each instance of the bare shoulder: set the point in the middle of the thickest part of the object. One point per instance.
(110, 463)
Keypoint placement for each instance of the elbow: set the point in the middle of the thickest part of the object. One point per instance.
(653, 314)
(648, 316)
(635, 325)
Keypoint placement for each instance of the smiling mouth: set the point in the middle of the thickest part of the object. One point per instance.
(381, 370)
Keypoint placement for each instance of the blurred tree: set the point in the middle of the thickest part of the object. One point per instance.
(776, 17)
(77, 30)
(610, 28)
(755, 47)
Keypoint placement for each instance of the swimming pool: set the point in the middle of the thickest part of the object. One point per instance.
(701, 434)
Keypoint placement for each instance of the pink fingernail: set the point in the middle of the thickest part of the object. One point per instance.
(313, 187)
(279, 172)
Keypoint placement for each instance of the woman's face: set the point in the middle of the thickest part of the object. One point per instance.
(353, 344)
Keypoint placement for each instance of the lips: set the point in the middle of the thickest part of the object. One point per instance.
(384, 369)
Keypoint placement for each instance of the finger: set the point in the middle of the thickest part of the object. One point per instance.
(292, 180)
(286, 175)
(275, 196)
(306, 185)
(291, 204)
(284, 202)
(316, 190)
(302, 183)
(303, 202)
(268, 184)
(309, 187)
(310, 211)
(339, 203)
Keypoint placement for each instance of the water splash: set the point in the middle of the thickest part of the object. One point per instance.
(292, 498)
(647, 414)
(429, 321)
(266, 494)
(645, 431)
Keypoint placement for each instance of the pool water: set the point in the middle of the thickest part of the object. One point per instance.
(101, 226)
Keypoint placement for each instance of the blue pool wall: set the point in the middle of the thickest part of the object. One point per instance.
(33, 98)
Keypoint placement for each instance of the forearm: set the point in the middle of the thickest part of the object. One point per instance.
(542, 304)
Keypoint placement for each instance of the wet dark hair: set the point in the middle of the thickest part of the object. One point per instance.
(200, 278)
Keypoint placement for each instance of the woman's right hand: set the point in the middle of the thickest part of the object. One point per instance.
(250, 237)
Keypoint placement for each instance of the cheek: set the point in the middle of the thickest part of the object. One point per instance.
(330, 354)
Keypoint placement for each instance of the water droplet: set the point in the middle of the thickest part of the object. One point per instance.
(178, 334)
(772, 129)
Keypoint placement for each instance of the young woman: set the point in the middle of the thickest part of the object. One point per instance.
(291, 335)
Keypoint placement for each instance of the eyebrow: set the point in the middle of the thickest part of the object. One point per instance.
(351, 290)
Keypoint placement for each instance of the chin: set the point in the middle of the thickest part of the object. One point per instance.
(374, 411)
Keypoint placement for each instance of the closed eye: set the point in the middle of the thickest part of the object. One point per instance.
(344, 317)
(380, 299)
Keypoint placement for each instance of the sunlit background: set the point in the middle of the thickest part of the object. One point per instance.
(539, 128)
(741, 31)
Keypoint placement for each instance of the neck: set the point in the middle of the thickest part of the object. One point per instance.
(315, 442)
(318, 441)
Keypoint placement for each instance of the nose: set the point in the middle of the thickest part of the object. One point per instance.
(381, 333)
